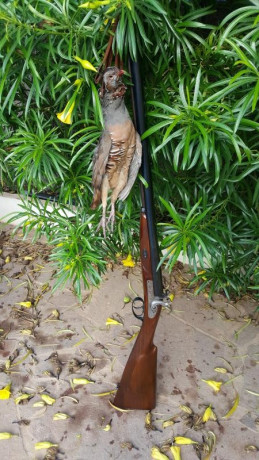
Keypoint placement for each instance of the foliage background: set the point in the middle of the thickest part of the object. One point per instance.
(201, 83)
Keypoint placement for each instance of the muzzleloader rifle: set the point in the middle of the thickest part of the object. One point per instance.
(137, 388)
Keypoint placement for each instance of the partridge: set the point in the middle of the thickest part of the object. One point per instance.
(117, 157)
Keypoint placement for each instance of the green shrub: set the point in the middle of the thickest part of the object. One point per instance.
(201, 85)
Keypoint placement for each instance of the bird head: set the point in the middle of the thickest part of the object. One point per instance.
(112, 78)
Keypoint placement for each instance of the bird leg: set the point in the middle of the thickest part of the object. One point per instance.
(111, 217)
(102, 222)
(105, 189)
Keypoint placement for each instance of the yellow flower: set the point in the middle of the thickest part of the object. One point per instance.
(81, 381)
(129, 262)
(176, 451)
(85, 64)
(44, 445)
(5, 435)
(233, 408)
(112, 321)
(183, 440)
(156, 454)
(5, 393)
(208, 415)
(47, 399)
(95, 4)
(107, 20)
(60, 416)
(22, 397)
(24, 304)
(78, 82)
(66, 115)
(107, 427)
(213, 384)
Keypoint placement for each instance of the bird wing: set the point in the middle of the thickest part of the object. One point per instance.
(100, 160)
(133, 170)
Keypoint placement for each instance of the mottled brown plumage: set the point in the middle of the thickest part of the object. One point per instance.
(118, 155)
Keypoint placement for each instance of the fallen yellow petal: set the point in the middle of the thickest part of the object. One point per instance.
(186, 409)
(81, 381)
(26, 331)
(111, 321)
(55, 313)
(107, 427)
(47, 399)
(176, 451)
(5, 435)
(171, 297)
(148, 420)
(85, 64)
(251, 448)
(208, 415)
(7, 364)
(44, 445)
(22, 397)
(8, 259)
(5, 393)
(233, 408)
(209, 444)
(167, 423)
(24, 304)
(66, 115)
(128, 262)
(39, 404)
(157, 454)
(60, 416)
(221, 370)
(184, 441)
(213, 384)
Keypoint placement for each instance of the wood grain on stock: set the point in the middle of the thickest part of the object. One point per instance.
(137, 389)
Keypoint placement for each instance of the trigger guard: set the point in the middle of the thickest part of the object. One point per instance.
(140, 316)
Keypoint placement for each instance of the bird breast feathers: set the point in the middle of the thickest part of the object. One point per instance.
(121, 133)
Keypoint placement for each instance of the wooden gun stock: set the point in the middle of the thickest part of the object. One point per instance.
(137, 389)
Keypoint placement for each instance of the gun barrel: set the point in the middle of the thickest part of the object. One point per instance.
(146, 192)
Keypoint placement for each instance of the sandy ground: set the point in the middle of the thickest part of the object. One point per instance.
(45, 347)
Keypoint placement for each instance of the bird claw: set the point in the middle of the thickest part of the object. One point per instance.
(111, 219)
(102, 224)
